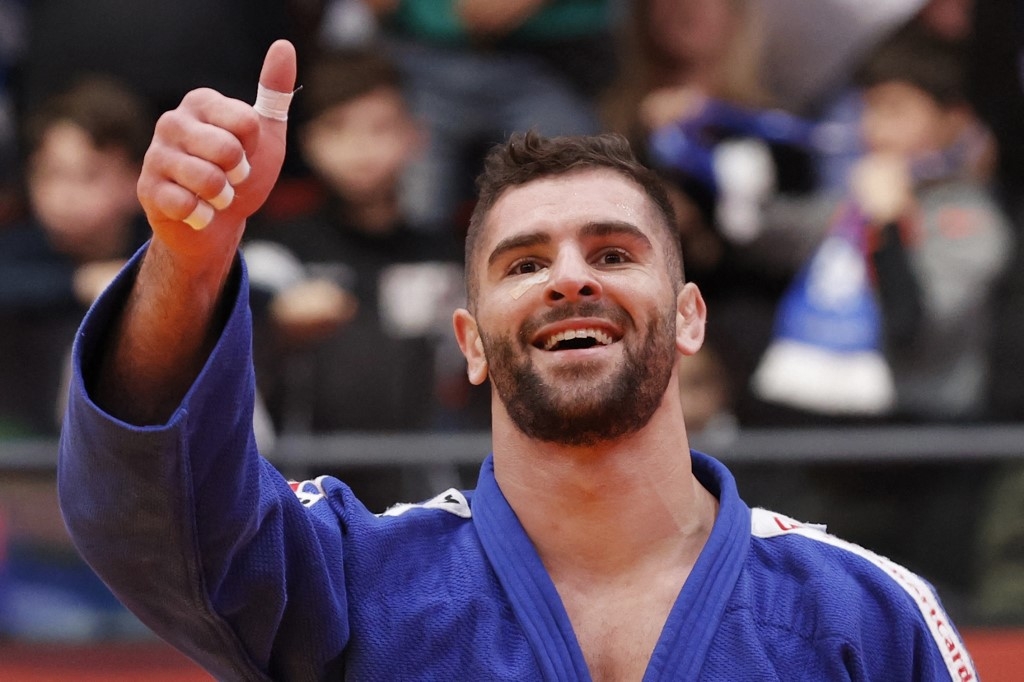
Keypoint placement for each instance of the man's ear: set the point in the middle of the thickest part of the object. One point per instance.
(691, 316)
(468, 336)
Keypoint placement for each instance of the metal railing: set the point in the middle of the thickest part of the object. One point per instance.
(819, 445)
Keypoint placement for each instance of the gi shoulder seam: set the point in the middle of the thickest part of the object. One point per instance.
(768, 524)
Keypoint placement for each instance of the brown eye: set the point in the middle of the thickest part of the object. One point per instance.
(524, 268)
(613, 258)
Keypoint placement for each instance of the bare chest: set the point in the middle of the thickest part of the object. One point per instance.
(618, 629)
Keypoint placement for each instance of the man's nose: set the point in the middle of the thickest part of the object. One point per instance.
(572, 278)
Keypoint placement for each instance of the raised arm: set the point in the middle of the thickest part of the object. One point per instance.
(197, 160)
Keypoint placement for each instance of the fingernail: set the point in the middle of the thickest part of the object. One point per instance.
(201, 216)
(240, 172)
(224, 199)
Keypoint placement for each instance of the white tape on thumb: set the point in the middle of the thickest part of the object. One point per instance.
(272, 104)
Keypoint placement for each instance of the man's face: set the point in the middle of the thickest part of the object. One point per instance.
(576, 310)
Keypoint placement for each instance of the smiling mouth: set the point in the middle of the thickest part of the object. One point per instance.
(574, 339)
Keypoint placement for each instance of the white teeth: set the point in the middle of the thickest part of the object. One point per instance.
(601, 337)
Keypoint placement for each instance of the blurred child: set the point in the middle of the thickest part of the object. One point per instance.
(84, 149)
(357, 135)
(937, 242)
(941, 241)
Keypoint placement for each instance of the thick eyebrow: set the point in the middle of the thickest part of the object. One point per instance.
(596, 229)
(615, 227)
(520, 241)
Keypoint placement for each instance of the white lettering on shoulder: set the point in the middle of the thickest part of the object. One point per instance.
(451, 501)
(768, 524)
(309, 492)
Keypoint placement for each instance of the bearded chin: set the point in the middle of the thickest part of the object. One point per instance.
(590, 412)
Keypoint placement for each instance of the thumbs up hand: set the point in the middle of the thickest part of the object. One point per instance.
(214, 160)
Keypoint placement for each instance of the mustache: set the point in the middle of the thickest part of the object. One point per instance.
(599, 309)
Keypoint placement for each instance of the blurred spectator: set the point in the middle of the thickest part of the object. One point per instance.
(674, 51)
(677, 58)
(691, 98)
(777, 72)
(84, 149)
(927, 214)
(379, 368)
(476, 70)
(836, 101)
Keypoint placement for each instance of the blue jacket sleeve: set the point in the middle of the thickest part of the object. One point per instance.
(192, 529)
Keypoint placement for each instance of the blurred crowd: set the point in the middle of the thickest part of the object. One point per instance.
(847, 177)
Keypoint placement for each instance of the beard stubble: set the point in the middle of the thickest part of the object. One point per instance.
(582, 409)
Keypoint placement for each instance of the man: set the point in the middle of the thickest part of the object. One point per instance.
(596, 546)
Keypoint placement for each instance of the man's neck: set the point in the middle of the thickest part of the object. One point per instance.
(607, 509)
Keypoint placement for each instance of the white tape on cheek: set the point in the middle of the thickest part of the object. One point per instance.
(521, 288)
(272, 104)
